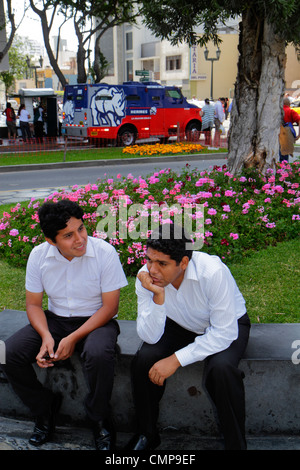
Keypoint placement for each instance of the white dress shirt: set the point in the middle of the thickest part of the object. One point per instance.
(219, 111)
(208, 302)
(74, 287)
(24, 115)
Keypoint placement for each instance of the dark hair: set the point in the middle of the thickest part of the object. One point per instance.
(171, 240)
(206, 100)
(54, 216)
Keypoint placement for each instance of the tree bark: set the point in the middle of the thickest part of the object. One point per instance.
(257, 107)
(13, 30)
(81, 72)
(46, 35)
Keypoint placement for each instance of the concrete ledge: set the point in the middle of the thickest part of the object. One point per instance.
(272, 384)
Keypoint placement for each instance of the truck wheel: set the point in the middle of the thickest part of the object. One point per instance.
(193, 131)
(126, 137)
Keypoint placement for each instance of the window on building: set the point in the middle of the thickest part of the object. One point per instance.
(129, 70)
(129, 41)
(173, 62)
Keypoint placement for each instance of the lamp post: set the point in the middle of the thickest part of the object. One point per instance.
(212, 60)
(34, 67)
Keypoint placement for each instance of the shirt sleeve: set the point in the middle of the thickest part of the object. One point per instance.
(223, 328)
(151, 316)
(113, 276)
(33, 279)
(295, 116)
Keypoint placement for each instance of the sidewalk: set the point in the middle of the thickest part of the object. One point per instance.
(14, 435)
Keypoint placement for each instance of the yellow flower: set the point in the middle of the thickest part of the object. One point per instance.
(156, 149)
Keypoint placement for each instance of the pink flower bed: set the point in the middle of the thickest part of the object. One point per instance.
(232, 215)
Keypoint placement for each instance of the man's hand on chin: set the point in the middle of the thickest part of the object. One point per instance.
(147, 283)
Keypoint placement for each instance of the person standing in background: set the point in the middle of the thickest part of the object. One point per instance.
(287, 135)
(10, 121)
(24, 122)
(219, 118)
(207, 114)
(39, 123)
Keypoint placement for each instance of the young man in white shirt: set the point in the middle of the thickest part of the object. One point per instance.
(189, 309)
(82, 277)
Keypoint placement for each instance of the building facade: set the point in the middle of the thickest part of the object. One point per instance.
(131, 48)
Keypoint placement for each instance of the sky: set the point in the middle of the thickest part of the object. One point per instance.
(31, 27)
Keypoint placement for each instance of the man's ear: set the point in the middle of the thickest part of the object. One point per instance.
(184, 262)
(51, 242)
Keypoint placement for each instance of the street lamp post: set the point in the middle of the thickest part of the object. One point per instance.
(35, 67)
(212, 60)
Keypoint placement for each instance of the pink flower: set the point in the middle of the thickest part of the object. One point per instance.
(229, 193)
(211, 211)
(279, 188)
(235, 236)
(14, 232)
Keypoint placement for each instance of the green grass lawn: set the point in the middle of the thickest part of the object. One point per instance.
(269, 281)
(74, 155)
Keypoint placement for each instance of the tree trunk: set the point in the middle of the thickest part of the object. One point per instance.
(97, 61)
(46, 32)
(81, 72)
(257, 107)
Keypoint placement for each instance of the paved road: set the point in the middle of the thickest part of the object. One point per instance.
(17, 186)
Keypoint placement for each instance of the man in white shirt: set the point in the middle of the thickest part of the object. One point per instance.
(189, 309)
(82, 277)
(219, 119)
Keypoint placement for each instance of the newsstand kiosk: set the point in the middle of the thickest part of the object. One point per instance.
(31, 97)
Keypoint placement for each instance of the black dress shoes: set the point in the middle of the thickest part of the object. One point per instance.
(45, 425)
(142, 442)
(104, 437)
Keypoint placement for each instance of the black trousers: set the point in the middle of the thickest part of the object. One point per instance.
(97, 352)
(222, 380)
(39, 130)
(25, 129)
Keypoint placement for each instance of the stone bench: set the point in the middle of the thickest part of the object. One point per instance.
(272, 384)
